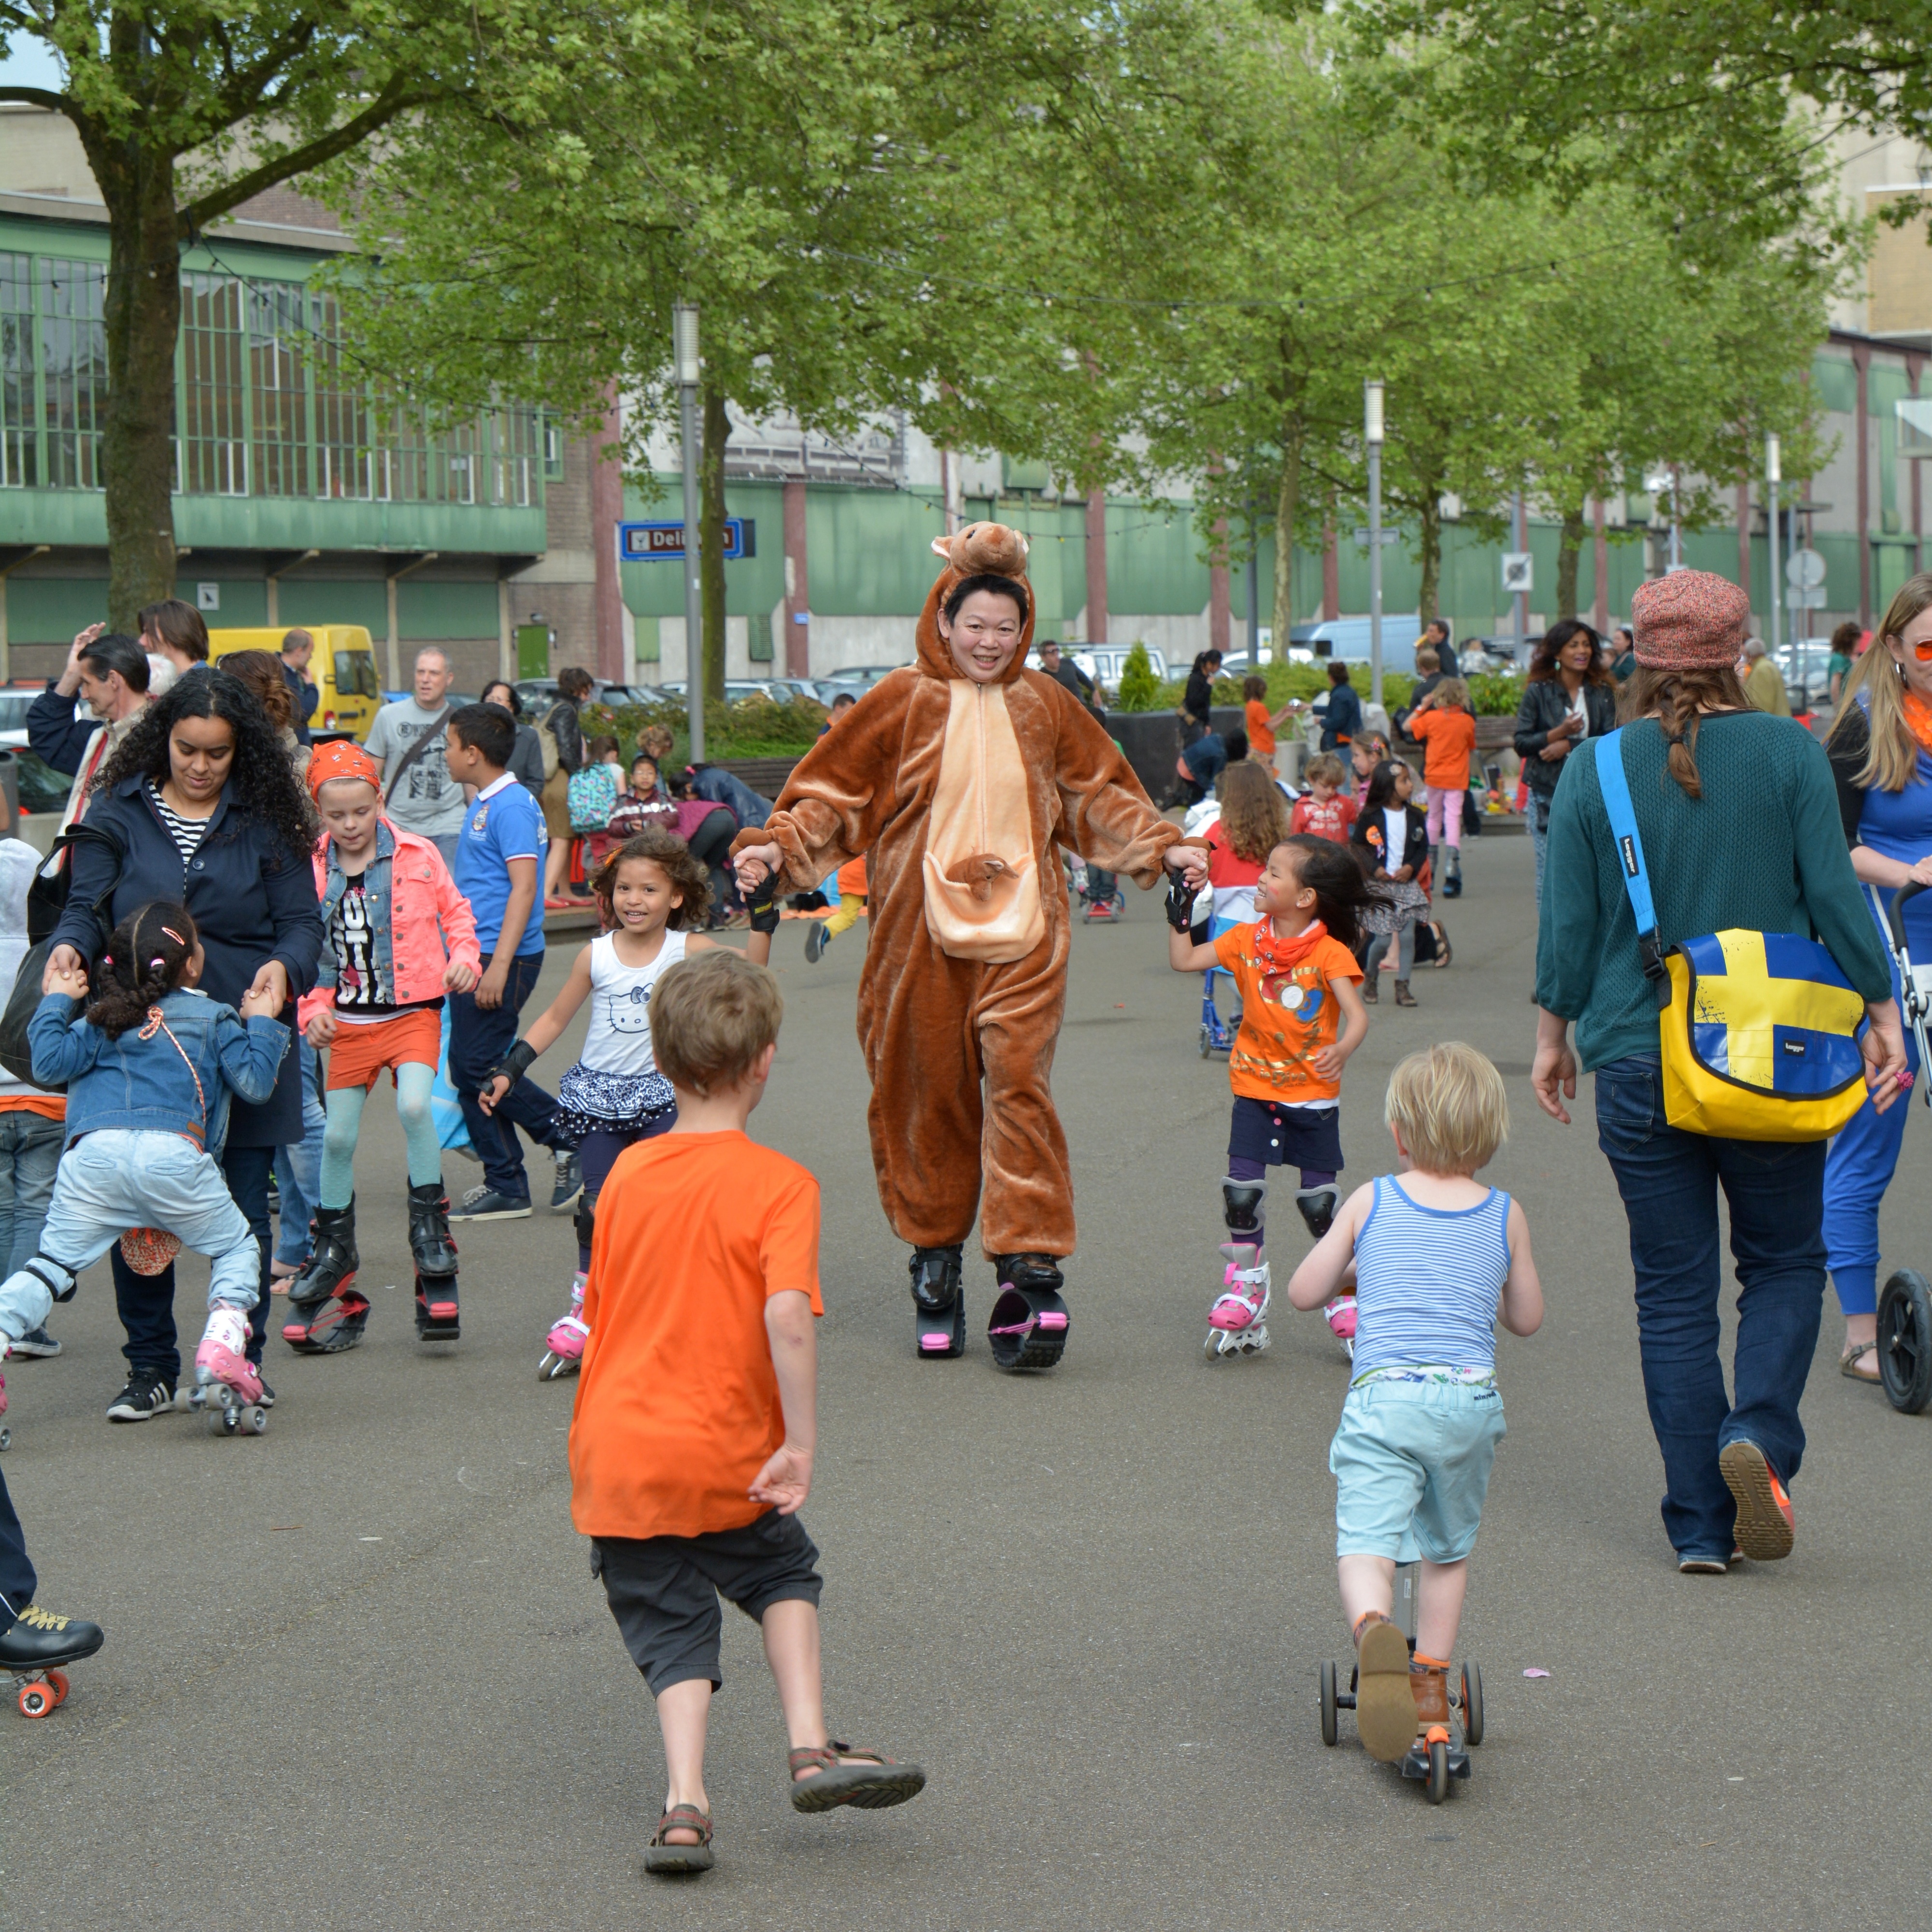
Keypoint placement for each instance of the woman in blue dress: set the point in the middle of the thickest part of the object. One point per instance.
(1881, 751)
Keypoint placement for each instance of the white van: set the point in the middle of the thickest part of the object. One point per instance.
(1348, 638)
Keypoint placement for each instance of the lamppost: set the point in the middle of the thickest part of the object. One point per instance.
(1372, 434)
(684, 355)
(1773, 475)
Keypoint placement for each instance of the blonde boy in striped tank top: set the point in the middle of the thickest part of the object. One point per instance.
(1434, 1256)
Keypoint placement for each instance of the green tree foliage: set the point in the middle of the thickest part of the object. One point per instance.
(1140, 689)
(838, 185)
(186, 109)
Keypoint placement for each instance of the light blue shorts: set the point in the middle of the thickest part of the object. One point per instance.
(1411, 1462)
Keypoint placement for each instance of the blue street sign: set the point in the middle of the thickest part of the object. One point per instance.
(653, 543)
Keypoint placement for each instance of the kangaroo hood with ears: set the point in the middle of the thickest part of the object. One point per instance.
(979, 550)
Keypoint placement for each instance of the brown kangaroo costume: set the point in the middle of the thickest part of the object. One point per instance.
(958, 793)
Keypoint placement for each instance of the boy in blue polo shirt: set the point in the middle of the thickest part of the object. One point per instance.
(499, 855)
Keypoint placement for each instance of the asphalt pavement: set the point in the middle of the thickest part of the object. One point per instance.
(357, 1674)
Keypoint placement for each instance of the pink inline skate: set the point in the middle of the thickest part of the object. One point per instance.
(1341, 1314)
(564, 1344)
(228, 1386)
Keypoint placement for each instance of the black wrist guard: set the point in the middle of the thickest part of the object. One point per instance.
(763, 904)
(516, 1062)
(1181, 898)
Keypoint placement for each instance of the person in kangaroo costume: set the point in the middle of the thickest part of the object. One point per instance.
(956, 777)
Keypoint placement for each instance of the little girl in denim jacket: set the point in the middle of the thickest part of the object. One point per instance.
(148, 1071)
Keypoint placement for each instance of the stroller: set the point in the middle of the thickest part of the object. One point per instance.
(1905, 1302)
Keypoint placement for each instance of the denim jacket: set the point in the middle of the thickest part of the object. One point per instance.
(146, 1080)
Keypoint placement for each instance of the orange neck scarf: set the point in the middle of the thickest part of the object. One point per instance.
(1919, 716)
(1278, 955)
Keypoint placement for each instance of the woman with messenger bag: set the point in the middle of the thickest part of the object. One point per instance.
(1702, 925)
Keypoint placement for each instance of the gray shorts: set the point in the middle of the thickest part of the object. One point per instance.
(664, 1590)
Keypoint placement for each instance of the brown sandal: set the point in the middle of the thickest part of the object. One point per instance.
(660, 1856)
(869, 1780)
(1855, 1353)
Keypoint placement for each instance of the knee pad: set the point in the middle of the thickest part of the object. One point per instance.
(59, 1282)
(585, 1219)
(1241, 1206)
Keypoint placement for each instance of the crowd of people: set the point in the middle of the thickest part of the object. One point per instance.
(251, 930)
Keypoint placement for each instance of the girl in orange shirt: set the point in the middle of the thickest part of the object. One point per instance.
(1262, 725)
(1445, 727)
(1302, 1016)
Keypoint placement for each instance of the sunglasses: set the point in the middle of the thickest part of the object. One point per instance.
(1922, 650)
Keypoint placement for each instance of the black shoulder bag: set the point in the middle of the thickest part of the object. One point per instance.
(47, 900)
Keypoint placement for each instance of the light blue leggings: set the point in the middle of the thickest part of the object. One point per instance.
(344, 1104)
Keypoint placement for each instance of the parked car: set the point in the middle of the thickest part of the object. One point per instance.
(1805, 664)
(1105, 663)
(41, 787)
(736, 690)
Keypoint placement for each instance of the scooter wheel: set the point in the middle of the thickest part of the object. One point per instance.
(1439, 1772)
(1207, 1043)
(1905, 1341)
(1329, 1729)
(1472, 1705)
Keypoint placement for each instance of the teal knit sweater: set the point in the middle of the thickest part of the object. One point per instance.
(1764, 849)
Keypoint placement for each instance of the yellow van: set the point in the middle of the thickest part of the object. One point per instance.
(342, 670)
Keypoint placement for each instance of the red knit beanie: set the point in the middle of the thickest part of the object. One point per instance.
(1690, 620)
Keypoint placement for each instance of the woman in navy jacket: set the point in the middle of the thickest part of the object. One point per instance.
(198, 804)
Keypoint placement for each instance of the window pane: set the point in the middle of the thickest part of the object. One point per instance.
(18, 445)
(275, 385)
(213, 447)
(74, 367)
(344, 462)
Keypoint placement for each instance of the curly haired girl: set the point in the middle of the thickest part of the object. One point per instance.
(651, 892)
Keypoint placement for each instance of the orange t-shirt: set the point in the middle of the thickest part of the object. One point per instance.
(677, 1409)
(1286, 1019)
(852, 877)
(49, 1106)
(1260, 733)
(1450, 737)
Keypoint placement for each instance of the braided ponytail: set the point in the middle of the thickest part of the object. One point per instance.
(144, 962)
(1677, 699)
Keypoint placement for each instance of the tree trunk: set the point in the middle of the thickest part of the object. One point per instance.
(1430, 594)
(142, 310)
(711, 537)
(1287, 507)
(1569, 548)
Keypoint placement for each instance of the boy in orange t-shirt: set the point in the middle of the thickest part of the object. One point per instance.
(1262, 725)
(1444, 726)
(696, 1423)
(1302, 1016)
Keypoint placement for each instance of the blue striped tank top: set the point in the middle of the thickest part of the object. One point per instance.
(1428, 1280)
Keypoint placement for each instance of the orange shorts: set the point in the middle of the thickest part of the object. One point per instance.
(362, 1048)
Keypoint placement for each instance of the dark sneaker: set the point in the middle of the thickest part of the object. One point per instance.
(815, 942)
(485, 1204)
(39, 1638)
(148, 1393)
(1766, 1522)
(569, 1182)
(267, 1397)
(1702, 1566)
(34, 1342)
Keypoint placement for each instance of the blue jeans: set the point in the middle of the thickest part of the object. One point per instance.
(479, 1037)
(298, 1166)
(146, 1302)
(121, 1178)
(1538, 818)
(1857, 1171)
(1669, 1181)
(30, 1150)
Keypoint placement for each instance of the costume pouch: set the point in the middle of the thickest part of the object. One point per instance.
(982, 898)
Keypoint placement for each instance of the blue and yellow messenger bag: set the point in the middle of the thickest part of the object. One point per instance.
(1758, 1030)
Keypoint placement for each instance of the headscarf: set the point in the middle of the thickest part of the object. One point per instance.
(342, 758)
